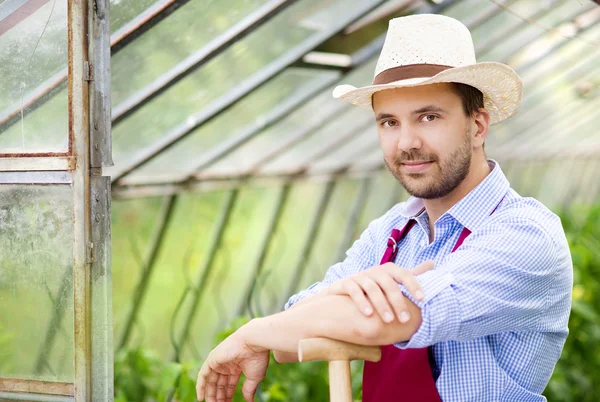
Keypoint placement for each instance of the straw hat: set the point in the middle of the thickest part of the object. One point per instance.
(430, 48)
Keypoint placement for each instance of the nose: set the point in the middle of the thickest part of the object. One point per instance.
(408, 140)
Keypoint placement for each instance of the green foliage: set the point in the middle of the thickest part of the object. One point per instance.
(141, 376)
(577, 373)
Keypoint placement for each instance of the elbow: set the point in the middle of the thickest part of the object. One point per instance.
(374, 331)
(352, 326)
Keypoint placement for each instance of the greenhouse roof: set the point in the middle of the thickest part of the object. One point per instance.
(211, 94)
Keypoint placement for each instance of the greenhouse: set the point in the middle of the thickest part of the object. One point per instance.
(172, 169)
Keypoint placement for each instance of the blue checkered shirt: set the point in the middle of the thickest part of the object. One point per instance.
(496, 310)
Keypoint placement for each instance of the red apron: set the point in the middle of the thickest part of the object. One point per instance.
(402, 375)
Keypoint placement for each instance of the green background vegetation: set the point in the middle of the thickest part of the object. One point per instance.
(142, 374)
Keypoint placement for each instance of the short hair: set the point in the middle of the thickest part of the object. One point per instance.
(472, 98)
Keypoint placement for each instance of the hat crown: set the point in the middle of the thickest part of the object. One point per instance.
(426, 39)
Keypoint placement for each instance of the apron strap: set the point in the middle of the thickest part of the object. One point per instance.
(395, 238)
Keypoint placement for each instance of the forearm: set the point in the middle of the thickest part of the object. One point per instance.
(292, 357)
(334, 317)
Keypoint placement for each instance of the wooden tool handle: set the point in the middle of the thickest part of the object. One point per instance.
(331, 350)
(338, 354)
(340, 386)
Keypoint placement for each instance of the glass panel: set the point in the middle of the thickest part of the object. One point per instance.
(466, 8)
(550, 88)
(578, 180)
(546, 86)
(557, 38)
(515, 171)
(232, 273)
(287, 243)
(181, 259)
(350, 152)
(571, 53)
(556, 183)
(501, 51)
(385, 192)
(283, 135)
(588, 143)
(531, 178)
(292, 130)
(133, 223)
(285, 33)
(33, 53)
(123, 11)
(560, 110)
(504, 21)
(369, 160)
(182, 158)
(329, 239)
(172, 40)
(571, 131)
(331, 137)
(45, 129)
(184, 245)
(36, 282)
(589, 191)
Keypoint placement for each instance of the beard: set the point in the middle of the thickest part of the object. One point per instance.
(438, 183)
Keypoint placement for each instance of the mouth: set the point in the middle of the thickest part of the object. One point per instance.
(416, 166)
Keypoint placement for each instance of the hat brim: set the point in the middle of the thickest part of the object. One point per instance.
(501, 86)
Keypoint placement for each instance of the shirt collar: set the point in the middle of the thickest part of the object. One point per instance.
(472, 209)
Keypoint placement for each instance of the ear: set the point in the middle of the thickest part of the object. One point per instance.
(481, 125)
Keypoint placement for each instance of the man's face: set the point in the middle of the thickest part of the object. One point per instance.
(425, 137)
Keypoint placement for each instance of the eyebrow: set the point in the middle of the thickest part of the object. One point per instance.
(382, 116)
(428, 108)
(425, 109)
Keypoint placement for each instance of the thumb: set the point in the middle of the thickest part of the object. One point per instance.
(422, 267)
(249, 389)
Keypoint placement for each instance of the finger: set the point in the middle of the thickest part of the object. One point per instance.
(423, 267)
(222, 387)
(394, 295)
(410, 282)
(202, 381)
(249, 389)
(376, 297)
(231, 384)
(358, 297)
(336, 287)
(211, 386)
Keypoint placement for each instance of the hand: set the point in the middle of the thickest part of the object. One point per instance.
(222, 368)
(377, 287)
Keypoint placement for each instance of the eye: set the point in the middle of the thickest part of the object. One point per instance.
(389, 123)
(429, 118)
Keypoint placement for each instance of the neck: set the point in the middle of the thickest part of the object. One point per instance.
(437, 207)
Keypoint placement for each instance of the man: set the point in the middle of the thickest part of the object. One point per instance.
(470, 293)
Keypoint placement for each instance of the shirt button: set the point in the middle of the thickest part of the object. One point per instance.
(423, 243)
(449, 278)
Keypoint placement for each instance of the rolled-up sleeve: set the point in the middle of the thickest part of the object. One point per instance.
(497, 281)
(333, 274)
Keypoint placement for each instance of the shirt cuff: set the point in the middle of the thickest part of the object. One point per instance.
(313, 289)
(440, 311)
